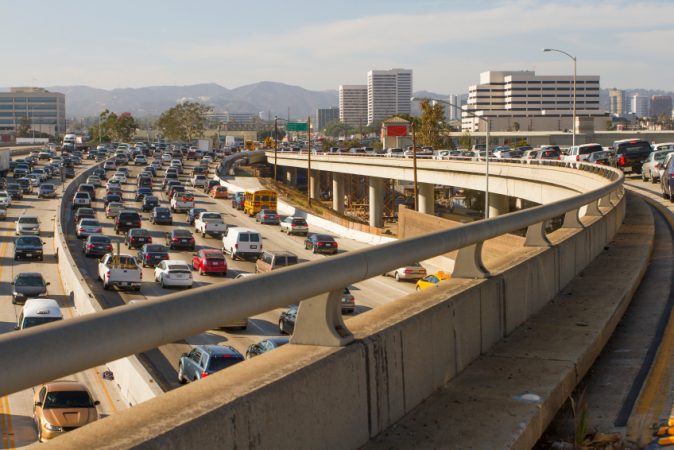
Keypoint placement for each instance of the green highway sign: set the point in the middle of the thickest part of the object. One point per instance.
(297, 126)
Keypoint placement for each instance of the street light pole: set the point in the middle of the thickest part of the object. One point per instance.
(309, 161)
(414, 168)
(573, 58)
(275, 146)
(486, 156)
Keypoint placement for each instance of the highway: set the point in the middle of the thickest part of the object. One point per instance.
(163, 362)
(16, 422)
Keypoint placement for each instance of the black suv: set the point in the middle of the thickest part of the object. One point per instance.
(630, 153)
(127, 220)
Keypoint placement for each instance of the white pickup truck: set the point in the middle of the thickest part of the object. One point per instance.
(182, 201)
(122, 271)
(210, 223)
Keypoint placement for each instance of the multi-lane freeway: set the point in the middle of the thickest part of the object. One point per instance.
(16, 421)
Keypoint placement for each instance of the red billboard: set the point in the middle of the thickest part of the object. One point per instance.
(396, 130)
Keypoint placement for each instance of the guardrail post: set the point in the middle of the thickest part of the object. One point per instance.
(571, 219)
(605, 201)
(593, 209)
(319, 321)
(536, 236)
(469, 264)
(614, 197)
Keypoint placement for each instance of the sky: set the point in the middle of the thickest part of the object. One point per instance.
(322, 44)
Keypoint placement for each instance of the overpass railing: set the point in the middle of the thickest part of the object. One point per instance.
(35, 355)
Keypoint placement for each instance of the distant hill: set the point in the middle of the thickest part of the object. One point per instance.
(268, 97)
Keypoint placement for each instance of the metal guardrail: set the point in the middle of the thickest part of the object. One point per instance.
(29, 357)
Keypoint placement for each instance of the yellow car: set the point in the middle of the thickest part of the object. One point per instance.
(431, 280)
(61, 406)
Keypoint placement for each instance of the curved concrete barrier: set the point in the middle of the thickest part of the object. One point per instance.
(134, 382)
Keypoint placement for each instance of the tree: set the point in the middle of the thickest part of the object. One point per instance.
(337, 129)
(113, 127)
(466, 140)
(516, 126)
(432, 124)
(184, 122)
(24, 127)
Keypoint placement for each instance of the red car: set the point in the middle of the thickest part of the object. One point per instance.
(210, 261)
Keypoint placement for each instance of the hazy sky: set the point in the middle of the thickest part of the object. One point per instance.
(321, 44)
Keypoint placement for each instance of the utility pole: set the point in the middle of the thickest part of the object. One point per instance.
(414, 168)
(275, 146)
(309, 160)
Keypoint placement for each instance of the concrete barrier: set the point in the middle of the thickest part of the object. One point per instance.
(134, 382)
(341, 397)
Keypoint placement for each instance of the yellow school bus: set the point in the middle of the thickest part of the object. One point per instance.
(257, 200)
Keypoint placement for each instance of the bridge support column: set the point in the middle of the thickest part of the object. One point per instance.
(338, 192)
(314, 184)
(376, 201)
(291, 175)
(498, 205)
(426, 198)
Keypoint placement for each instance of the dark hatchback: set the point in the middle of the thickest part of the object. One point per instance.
(180, 239)
(97, 245)
(137, 237)
(141, 192)
(321, 243)
(149, 203)
(286, 323)
(265, 346)
(28, 247)
(152, 254)
(126, 220)
(109, 198)
(161, 215)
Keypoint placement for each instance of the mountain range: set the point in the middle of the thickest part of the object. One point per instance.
(267, 98)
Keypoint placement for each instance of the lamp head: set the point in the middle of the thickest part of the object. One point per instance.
(547, 49)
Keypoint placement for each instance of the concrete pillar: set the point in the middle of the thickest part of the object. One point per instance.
(338, 192)
(291, 175)
(376, 201)
(426, 198)
(498, 205)
(315, 184)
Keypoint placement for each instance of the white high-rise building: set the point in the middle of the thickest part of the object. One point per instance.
(353, 104)
(640, 105)
(389, 92)
(523, 100)
(453, 113)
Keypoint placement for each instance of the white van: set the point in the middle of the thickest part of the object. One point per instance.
(242, 243)
(38, 311)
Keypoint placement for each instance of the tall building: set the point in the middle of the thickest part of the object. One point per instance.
(353, 104)
(389, 92)
(617, 102)
(454, 113)
(526, 101)
(639, 105)
(45, 111)
(661, 104)
(326, 115)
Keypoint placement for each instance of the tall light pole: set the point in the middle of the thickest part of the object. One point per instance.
(573, 58)
(486, 153)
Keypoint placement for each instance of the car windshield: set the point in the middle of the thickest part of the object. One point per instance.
(155, 248)
(161, 210)
(99, 239)
(634, 147)
(33, 321)
(324, 238)
(182, 233)
(29, 280)
(179, 268)
(221, 362)
(68, 399)
(28, 220)
(151, 198)
(212, 216)
(299, 222)
(47, 187)
(90, 223)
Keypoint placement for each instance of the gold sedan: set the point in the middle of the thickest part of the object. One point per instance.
(62, 406)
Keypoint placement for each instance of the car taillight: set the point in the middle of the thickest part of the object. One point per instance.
(408, 271)
(99, 230)
(321, 244)
(236, 246)
(621, 160)
(107, 274)
(191, 239)
(149, 239)
(141, 274)
(577, 157)
(90, 246)
(175, 239)
(147, 256)
(109, 247)
(204, 374)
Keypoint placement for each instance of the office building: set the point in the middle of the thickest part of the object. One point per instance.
(661, 104)
(326, 115)
(389, 92)
(454, 113)
(522, 100)
(617, 102)
(45, 111)
(640, 105)
(353, 104)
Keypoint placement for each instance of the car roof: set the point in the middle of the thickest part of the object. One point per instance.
(212, 349)
(41, 307)
(65, 385)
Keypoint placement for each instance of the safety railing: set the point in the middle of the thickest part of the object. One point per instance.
(47, 352)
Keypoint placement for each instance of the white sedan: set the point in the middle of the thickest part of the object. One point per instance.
(171, 272)
(5, 199)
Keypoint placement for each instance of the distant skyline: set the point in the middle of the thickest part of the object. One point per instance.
(320, 46)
